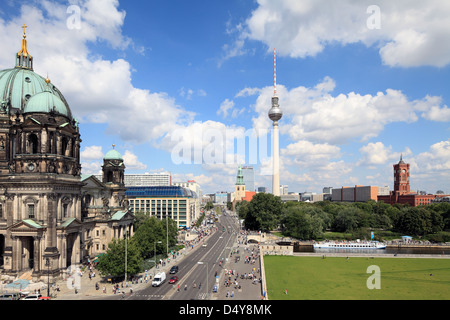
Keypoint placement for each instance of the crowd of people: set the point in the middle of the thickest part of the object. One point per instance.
(233, 278)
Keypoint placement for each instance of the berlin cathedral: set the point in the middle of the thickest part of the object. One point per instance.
(51, 216)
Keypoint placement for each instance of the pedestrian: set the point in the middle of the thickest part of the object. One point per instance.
(285, 291)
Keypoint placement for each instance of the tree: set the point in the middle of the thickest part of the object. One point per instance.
(113, 262)
(302, 223)
(414, 221)
(347, 219)
(153, 230)
(264, 212)
(209, 205)
(139, 218)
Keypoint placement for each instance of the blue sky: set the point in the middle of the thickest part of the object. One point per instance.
(358, 85)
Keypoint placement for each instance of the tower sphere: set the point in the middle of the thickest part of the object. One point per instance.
(275, 112)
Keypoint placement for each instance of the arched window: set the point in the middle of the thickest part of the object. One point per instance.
(65, 143)
(110, 177)
(33, 143)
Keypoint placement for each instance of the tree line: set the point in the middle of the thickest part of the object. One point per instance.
(150, 234)
(310, 221)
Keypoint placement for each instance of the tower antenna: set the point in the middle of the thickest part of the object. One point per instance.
(275, 71)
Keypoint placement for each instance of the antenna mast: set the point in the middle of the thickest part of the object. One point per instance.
(275, 72)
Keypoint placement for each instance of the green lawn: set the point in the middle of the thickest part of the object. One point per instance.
(336, 278)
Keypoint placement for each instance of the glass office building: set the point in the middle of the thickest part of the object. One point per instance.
(249, 178)
(178, 203)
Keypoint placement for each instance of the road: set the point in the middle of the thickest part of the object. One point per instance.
(215, 249)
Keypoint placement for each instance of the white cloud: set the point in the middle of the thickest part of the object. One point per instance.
(225, 107)
(438, 114)
(316, 115)
(131, 161)
(97, 90)
(92, 153)
(411, 32)
(378, 154)
(90, 168)
(433, 163)
(308, 153)
(248, 92)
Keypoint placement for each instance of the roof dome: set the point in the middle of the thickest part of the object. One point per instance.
(46, 102)
(113, 155)
(20, 84)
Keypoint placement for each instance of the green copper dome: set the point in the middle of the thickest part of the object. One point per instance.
(18, 86)
(113, 155)
(21, 88)
(46, 102)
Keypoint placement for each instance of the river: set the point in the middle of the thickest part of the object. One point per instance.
(387, 251)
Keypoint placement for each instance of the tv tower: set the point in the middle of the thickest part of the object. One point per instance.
(275, 114)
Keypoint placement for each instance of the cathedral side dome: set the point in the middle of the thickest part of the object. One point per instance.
(46, 102)
(113, 155)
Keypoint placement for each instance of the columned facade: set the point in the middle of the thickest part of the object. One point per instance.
(42, 224)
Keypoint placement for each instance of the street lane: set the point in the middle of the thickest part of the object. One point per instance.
(214, 249)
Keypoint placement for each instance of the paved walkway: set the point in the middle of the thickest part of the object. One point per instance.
(242, 275)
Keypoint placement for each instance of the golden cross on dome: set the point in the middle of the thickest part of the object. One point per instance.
(24, 30)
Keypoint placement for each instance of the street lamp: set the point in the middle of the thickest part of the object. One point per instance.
(154, 257)
(126, 252)
(207, 272)
(47, 264)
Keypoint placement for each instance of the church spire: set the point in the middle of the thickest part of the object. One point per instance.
(23, 57)
(240, 177)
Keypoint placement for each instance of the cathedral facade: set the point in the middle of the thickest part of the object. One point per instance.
(46, 225)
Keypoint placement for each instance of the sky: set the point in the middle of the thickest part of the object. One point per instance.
(186, 86)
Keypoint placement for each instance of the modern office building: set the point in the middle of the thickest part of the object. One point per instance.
(262, 189)
(192, 185)
(355, 194)
(290, 197)
(284, 189)
(249, 178)
(178, 203)
(221, 198)
(146, 179)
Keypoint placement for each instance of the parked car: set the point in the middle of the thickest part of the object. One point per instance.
(173, 270)
(173, 279)
(32, 297)
(10, 296)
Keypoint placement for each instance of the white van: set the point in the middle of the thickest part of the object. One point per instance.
(159, 279)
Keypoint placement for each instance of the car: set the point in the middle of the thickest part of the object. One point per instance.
(32, 297)
(173, 279)
(10, 296)
(44, 298)
(173, 270)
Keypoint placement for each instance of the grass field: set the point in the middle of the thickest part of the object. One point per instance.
(336, 278)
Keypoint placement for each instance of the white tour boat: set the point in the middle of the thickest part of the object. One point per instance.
(350, 245)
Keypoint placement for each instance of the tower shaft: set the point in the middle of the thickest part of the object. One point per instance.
(276, 160)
